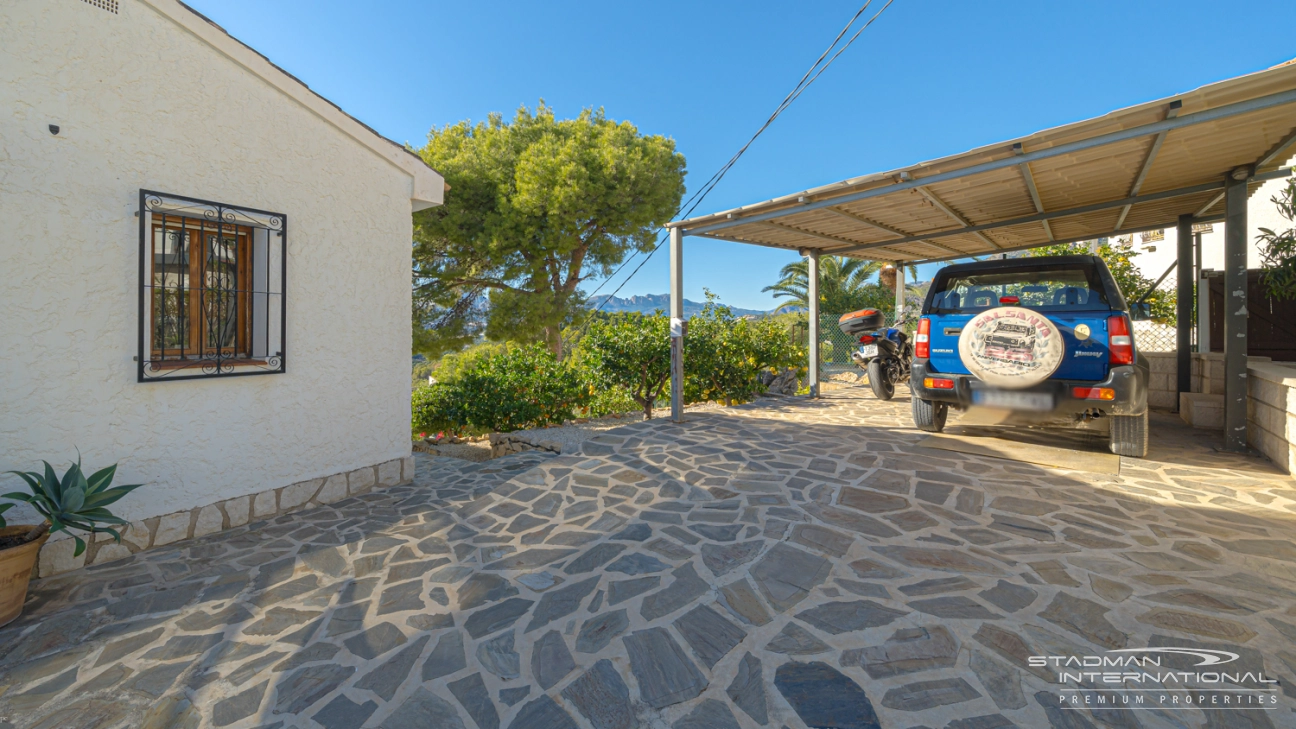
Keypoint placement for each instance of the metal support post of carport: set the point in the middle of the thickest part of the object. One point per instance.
(677, 323)
(812, 316)
(1184, 307)
(1235, 310)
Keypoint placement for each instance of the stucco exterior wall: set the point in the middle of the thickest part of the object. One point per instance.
(142, 102)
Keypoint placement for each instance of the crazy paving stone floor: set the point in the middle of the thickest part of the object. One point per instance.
(794, 563)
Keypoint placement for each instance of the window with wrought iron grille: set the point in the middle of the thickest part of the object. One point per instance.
(212, 279)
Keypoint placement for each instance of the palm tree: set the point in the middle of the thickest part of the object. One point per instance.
(844, 284)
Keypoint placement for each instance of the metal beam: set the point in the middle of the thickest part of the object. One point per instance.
(1150, 197)
(1034, 191)
(1278, 152)
(1179, 122)
(1171, 113)
(886, 228)
(1079, 239)
(1235, 311)
(677, 324)
(1270, 156)
(941, 206)
(824, 236)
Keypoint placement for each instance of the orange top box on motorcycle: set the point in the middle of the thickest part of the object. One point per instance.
(861, 322)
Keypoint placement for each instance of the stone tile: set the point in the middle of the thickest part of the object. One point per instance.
(1086, 619)
(910, 650)
(821, 539)
(511, 696)
(824, 697)
(924, 695)
(597, 632)
(423, 710)
(550, 660)
(665, 676)
(946, 560)
(388, 677)
(375, 641)
(542, 713)
(601, 696)
(1001, 682)
(498, 656)
(343, 713)
(1009, 597)
(497, 616)
(447, 657)
(482, 588)
(709, 635)
(747, 691)
(471, 693)
(622, 590)
(785, 575)
(638, 564)
(685, 589)
(740, 599)
(561, 602)
(938, 586)
(709, 714)
(794, 640)
(845, 617)
(953, 607)
(307, 685)
(1203, 625)
(594, 558)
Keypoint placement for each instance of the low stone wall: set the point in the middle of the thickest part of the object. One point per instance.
(1271, 412)
(56, 555)
(503, 444)
(1163, 387)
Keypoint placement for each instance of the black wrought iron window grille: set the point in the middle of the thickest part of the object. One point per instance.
(212, 289)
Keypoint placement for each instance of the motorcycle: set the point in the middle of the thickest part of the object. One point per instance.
(884, 352)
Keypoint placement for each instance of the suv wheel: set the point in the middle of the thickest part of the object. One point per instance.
(1129, 435)
(930, 416)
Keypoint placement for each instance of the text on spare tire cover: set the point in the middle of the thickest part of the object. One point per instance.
(1010, 346)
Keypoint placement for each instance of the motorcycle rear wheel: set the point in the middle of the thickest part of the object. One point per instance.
(881, 383)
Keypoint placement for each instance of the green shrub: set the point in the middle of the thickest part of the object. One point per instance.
(626, 361)
(513, 388)
(724, 355)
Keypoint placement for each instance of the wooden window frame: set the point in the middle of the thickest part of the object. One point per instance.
(196, 296)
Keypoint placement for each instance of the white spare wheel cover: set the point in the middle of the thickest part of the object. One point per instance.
(1011, 347)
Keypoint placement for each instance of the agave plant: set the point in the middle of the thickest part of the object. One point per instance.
(71, 502)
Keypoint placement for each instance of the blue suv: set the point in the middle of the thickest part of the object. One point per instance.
(1047, 341)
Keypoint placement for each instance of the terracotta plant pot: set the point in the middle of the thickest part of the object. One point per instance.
(16, 565)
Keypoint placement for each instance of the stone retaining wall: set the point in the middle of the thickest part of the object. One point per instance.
(56, 555)
(1271, 412)
(503, 444)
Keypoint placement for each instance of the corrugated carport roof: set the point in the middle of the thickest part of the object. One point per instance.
(1132, 170)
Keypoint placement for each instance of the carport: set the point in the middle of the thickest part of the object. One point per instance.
(1175, 162)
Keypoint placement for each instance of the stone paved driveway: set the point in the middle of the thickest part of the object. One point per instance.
(797, 564)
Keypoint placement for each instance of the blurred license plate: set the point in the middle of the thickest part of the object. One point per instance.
(1013, 400)
(869, 350)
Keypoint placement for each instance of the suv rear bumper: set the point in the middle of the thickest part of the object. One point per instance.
(1129, 382)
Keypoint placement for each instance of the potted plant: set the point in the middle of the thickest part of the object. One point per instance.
(71, 502)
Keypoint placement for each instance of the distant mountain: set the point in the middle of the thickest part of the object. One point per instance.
(649, 303)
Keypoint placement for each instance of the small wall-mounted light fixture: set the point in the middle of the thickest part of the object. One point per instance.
(54, 129)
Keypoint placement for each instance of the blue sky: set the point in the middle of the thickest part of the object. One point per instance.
(930, 78)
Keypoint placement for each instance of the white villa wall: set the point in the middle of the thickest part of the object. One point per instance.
(1261, 213)
(142, 102)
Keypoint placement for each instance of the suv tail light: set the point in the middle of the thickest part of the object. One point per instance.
(922, 341)
(1119, 342)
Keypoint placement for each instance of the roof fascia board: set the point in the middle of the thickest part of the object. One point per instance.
(1209, 115)
(427, 187)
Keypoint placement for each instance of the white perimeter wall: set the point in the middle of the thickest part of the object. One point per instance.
(143, 103)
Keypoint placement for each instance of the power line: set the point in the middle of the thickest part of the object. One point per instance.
(810, 76)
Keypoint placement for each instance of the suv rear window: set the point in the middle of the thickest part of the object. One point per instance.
(1074, 288)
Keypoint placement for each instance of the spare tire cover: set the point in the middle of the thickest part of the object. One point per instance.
(1011, 347)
